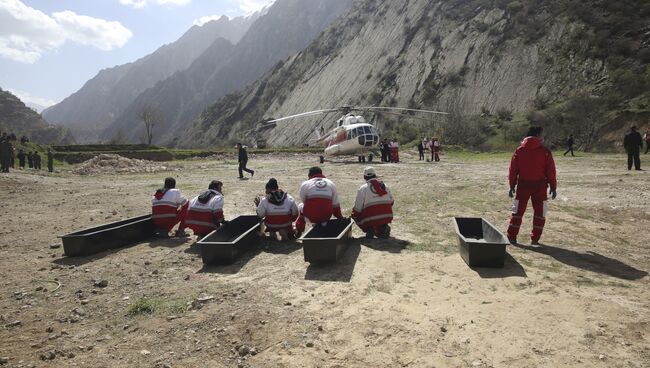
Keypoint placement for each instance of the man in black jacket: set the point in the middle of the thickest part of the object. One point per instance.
(633, 144)
(243, 160)
(569, 145)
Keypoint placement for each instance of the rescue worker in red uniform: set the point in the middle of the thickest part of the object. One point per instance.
(373, 207)
(435, 149)
(279, 211)
(205, 213)
(532, 170)
(319, 200)
(169, 207)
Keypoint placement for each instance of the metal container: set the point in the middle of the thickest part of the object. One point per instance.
(231, 240)
(327, 243)
(110, 236)
(480, 243)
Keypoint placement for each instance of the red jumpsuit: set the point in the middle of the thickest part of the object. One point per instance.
(205, 213)
(319, 202)
(532, 170)
(168, 207)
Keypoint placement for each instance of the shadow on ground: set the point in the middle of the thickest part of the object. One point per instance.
(511, 268)
(230, 269)
(339, 271)
(589, 261)
(391, 245)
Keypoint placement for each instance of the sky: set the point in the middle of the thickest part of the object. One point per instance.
(50, 48)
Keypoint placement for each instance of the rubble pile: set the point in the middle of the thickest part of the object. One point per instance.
(109, 164)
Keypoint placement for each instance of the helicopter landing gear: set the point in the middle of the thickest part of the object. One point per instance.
(370, 157)
(362, 158)
(322, 159)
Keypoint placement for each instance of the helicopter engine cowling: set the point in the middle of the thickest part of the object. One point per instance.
(332, 150)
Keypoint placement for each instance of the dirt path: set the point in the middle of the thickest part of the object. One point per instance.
(581, 300)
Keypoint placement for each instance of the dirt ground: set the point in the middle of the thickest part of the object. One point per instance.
(582, 299)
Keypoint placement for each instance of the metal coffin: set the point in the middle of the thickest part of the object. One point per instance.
(480, 243)
(327, 243)
(231, 240)
(110, 236)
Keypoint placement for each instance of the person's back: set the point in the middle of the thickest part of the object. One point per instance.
(632, 141)
(278, 208)
(319, 198)
(168, 207)
(373, 206)
(532, 164)
(205, 212)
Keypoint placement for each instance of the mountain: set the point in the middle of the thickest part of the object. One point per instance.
(287, 28)
(21, 120)
(88, 111)
(572, 66)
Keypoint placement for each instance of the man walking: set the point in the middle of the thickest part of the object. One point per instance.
(569, 146)
(633, 145)
(243, 160)
(532, 170)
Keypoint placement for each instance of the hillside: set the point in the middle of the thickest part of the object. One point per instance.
(287, 28)
(103, 98)
(572, 66)
(21, 120)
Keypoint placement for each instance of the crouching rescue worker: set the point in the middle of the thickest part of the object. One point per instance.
(279, 211)
(373, 207)
(319, 200)
(205, 213)
(169, 207)
(532, 170)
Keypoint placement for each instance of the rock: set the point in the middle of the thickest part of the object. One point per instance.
(50, 329)
(320, 328)
(14, 324)
(84, 301)
(186, 278)
(443, 329)
(154, 272)
(100, 283)
(243, 350)
(309, 344)
(286, 304)
(205, 299)
(79, 311)
(145, 352)
(70, 355)
(602, 357)
(147, 263)
(4, 360)
(477, 363)
(48, 355)
(55, 246)
(253, 351)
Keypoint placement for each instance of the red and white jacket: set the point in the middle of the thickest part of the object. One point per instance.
(373, 205)
(319, 199)
(164, 207)
(278, 209)
(532, 166)
(205, 212)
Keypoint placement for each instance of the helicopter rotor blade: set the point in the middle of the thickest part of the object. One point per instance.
(301, 115)
(403, 109)
(402, 115)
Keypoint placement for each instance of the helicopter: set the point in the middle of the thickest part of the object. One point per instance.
(352, 135)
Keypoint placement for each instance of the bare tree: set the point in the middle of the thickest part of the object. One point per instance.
(150, 117)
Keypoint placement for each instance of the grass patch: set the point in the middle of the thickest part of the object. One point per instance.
(144, 306)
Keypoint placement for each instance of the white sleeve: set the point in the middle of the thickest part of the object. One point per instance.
(217, 204)
(303, 192)
(261, 209)
(178, 198)
(359, 201)
(293, 207)
(335, 195)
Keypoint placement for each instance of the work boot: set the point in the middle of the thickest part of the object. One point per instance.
(534, 242)
(252, 173)
(384, 232)
(512, 241)
(370, 233)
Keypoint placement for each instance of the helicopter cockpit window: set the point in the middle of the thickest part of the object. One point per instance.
(359, 131)
(353, 132)
(366, 129)
(349, 134)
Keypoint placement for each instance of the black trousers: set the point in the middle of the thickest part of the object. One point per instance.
(421, 154)
(242, 168)
(634, 157)
(647, 146)
(570, 149)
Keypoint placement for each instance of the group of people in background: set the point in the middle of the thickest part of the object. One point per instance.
(389, 150)
(432, 145)
(32, 159)
(282, 215)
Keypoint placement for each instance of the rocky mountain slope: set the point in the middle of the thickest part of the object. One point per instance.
(102, 99)
(468, 57)
(287, 28)
(21, 120)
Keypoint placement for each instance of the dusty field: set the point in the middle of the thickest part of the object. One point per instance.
(580, 300)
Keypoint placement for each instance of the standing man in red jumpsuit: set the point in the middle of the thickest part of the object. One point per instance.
(532, 170)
